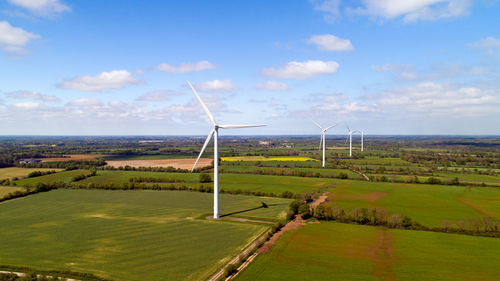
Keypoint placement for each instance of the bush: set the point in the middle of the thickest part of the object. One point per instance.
(204, 178)
(433, 180)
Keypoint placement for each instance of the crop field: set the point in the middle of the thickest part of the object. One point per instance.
(255, 183)
(64, 176)
(15, 172)
(335, 251)
(427, 204)
(129, 235)
(4, 190)
(304, 171)
(73, 157)
(176, 163)
(261, 158)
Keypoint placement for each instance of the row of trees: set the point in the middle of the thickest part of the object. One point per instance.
(379, 217)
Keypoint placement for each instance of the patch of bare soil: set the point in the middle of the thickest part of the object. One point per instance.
(73, 157)
(382, 256)
(176, 163)
(323, 198)
(295, 224)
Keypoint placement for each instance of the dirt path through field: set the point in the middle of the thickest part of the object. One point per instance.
(298, 222)
(382, 256)
(321, 199)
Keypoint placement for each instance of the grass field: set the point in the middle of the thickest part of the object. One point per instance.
(306, 171)
(4, 190)
(427, 204)
(255, 183)
(262, 158)
(64, 176)
(128, 235)
(13, 172)
(335, 251)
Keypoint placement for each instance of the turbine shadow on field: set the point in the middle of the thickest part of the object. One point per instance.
(264, 205)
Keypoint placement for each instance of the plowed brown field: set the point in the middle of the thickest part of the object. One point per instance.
(176, 163)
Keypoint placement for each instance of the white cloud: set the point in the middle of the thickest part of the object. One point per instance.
(31, 95)
(115, 79)
(27, 105)
(272, 86)
(217, 86)
(161, 95)
(85, 102)
(433, 99)
(490, 45)
(415, 10)
(186, 67)
(302, 70)
(14, 39)
(42, 7)
(328, 42)
(330, 7)
(402, 72)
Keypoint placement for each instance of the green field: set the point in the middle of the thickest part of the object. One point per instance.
(4, 190)
(335, 251)
(262, 158)
(64, 176)
(427, 204)
(13, 172)
(129, 235)
(255, 183)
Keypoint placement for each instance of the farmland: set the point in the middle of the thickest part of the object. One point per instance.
(335, 251)
(109, 216)
(160, 234)
(427, 204)
(14, 172)
(4, 190)
(176, 163)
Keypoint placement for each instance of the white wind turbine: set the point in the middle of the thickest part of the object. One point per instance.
(215, 133)
(323, 139)
(350, 139)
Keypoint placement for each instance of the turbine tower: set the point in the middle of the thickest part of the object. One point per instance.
(215, 134)
(323, 139)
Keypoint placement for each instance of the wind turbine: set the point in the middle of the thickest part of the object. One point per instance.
(350, 139)
(323, 139)
(215, 134)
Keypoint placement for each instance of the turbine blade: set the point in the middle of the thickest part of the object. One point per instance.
(327, 128)
(203, 104)
(320, 141)
(239, 126)
(348, 129)
(316, 124)
(203, 148)
(346, 139)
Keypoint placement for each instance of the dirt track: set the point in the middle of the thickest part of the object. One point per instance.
(176, 163)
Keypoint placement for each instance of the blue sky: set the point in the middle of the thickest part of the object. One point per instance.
(120, 67)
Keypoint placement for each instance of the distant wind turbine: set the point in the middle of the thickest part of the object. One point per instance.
(350, 139)
(215, 133)
(323, 138)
